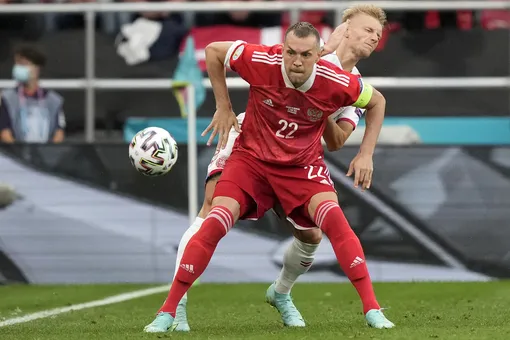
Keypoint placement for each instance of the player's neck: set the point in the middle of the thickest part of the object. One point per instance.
(347, 58)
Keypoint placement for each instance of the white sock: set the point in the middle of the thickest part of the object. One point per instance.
(188, 234)
(297, 253)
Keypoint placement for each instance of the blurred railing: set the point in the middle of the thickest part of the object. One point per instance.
(90, 83)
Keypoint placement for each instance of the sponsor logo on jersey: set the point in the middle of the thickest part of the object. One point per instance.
(238, 52)
(292, 110)
(314, 114)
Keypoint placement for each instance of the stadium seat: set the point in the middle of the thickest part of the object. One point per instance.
(313, 17)
(498, 19)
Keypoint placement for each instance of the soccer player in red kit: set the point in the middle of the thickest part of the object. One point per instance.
(279, 152)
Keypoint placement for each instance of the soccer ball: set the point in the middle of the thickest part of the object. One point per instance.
(153, 151)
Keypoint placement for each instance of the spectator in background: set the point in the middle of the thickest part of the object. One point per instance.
(72, 20)
(29, 113)
(12, 21)
(27, 26)
(173, 30)
(239, 18)
(159, 16)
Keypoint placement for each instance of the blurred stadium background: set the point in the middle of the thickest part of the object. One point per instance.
(77, 212)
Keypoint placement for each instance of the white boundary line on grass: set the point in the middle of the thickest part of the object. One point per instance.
(96, 303)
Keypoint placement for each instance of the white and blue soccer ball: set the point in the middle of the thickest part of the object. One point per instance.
(153, 151)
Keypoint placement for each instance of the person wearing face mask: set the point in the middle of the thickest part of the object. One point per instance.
(29, 113)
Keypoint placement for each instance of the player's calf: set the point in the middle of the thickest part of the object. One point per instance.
(197, 255)
(200, 249)
(298, 259)
(326, 213)
(181, 318)
(299, 255)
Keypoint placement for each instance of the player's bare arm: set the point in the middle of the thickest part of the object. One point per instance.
(362, 165)
(336, 134)
(374, 120)
(224, 118)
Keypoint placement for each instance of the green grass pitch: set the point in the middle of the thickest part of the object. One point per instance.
(237, 311)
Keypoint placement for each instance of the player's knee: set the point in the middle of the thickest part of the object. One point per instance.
(317, 199)
(309, 236)
(206, 206)
(209, 193)
(232, 197)
(229, 203)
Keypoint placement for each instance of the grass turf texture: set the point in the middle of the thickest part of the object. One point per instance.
(332, 311)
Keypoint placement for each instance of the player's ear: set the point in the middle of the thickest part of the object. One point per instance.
(346, 33)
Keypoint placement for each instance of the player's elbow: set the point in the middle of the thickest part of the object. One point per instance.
(216, 51)
(377, 100)
(382, 99)
(335, 145)
(332, 148)
(211, 50)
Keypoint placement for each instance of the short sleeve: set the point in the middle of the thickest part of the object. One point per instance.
(239, 59)
(352, 90)
(234, 53)
(349, 114)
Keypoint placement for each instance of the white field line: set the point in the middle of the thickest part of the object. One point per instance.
(96, 303)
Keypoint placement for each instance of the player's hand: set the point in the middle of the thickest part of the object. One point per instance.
(222, 122)
(335, 38)
(363, 167)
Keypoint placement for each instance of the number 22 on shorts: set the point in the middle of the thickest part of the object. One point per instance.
(320, 173)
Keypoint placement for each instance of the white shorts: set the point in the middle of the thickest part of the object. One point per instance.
(220, 157)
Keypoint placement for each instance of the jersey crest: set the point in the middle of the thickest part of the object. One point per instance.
(314, 114)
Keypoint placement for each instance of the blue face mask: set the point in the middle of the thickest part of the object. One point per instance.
(21, 73)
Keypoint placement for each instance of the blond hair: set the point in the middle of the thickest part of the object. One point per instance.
(371, 10)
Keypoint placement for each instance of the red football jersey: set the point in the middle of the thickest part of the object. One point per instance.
(283, 124)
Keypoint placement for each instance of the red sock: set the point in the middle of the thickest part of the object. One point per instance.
(349, 253)
(197, 255)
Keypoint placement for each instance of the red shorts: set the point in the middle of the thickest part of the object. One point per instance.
(292, 186)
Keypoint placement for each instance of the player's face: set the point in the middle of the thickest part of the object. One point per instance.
(299, 57)
(364, 34)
